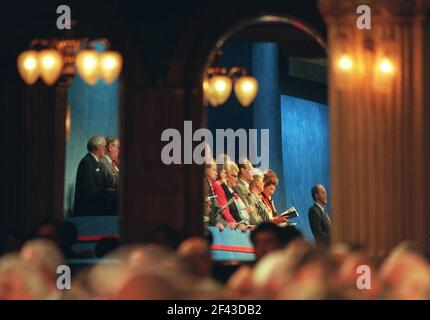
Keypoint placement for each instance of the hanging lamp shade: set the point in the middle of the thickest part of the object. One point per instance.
(246, 88)
(220, 87)
(50, 65)
(87, 63)
(28, 66)
(110, 66)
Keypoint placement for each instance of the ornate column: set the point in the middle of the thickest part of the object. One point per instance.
(379, 159)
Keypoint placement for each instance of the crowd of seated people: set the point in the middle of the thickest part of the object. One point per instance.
(239, 196)
(286, 267)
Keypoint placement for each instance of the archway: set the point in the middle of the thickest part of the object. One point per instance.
(195, 82)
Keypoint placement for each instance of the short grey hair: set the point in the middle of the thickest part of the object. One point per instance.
(94, 142)
(111, 140)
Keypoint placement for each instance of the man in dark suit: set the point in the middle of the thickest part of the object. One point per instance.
(93, 193)
(318, 217)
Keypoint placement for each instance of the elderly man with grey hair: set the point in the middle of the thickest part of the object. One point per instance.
(110, 161)
(93, 193)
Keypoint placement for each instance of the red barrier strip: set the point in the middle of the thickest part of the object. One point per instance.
(232, 248)
(96, 237)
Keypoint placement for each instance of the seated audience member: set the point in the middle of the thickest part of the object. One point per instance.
(68, 233)
(10, 241)
(405, 274)
(48, 229)
(211, 199)
(221, 197)
(45, 256)
(197, 252)
(242, 189)
(319, 220)
(94, 194)
(20, 280)
(237, 206)
(106, 246)
(109, 161)
(291, 234)
(345, 278)
(270, 181)
(267, 237)
(310, 277)
(166, 236)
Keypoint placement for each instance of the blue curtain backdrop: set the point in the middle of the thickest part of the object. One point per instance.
(94, 110)
(305, 143)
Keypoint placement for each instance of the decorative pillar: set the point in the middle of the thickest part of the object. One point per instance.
(379, 159)
(267, 110)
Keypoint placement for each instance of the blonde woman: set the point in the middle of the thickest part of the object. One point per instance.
(264, 188)
(238, 208)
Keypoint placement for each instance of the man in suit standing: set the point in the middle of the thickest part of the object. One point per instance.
(93, 194)
(246, 176)
(318, 218)
(110, 162)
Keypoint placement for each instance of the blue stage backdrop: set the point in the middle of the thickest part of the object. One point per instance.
(94, 110)
(305, 143)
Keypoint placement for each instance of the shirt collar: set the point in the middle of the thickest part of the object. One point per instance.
(94, 156)
(321, 207)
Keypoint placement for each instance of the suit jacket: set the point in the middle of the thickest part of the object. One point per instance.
(245, 194)
(112, 173)
(320, 225)
(91, 194)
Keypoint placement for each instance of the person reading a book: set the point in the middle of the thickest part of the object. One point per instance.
(270, 181)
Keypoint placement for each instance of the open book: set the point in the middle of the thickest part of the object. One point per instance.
(290, 213)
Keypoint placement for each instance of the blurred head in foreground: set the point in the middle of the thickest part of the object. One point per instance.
(268, 237)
